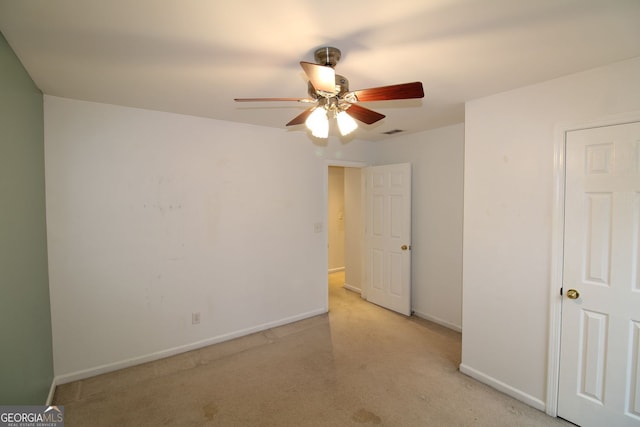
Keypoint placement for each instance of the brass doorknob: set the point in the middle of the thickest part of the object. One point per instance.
(573, 294)
(404, 247)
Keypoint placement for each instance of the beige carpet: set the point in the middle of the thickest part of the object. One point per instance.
(359, 365)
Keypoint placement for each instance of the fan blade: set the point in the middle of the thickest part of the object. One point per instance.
(272, 99)
(388, 93)
(364, 114)
(321, 77)
(300, 118)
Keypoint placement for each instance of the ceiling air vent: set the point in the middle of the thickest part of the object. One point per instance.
(391, 132)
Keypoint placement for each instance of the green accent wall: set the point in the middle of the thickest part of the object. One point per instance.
(26, 356)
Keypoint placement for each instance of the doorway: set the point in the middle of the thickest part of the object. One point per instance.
(344, 226)
(380, 197)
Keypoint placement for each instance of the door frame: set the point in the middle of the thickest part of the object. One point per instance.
(557, 245)
(327, 164)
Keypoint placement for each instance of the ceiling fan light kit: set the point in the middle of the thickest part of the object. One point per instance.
(345, 123)
(318, 123)
(330, 92)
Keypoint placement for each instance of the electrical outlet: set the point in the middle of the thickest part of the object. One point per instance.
(195, 318)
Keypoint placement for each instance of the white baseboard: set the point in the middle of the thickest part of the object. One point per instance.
(52, 390)
(352, 288)
(335, 270)
(504, 388)
(102, 369)
(439, 321)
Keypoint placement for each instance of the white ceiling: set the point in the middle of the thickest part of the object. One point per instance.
(195, 56)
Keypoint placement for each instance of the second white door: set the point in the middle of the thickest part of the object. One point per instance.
(388, 236)
(600, 340)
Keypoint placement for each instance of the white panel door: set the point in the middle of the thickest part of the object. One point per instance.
(600, 344)
(388, 236)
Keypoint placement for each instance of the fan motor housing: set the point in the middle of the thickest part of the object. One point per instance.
(342, 87)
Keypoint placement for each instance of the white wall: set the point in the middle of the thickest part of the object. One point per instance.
(436, 255)
(508, 195)
(152, 216)
(336, 218)
(354, 229)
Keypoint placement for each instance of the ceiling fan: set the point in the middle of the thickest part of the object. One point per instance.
(330, 94)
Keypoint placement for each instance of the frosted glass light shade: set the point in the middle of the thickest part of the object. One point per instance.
(346, 124)
(318, 123)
